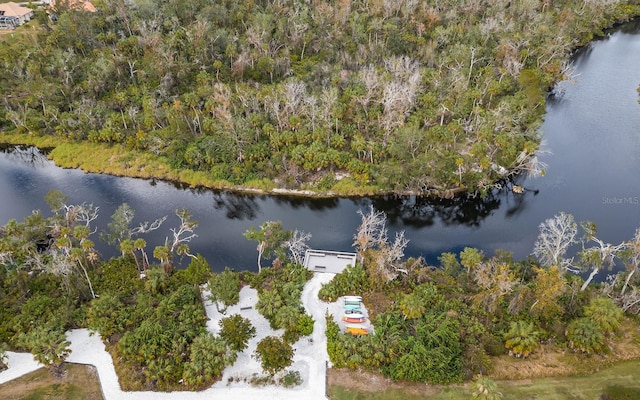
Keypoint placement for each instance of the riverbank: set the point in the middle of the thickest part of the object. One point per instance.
(117, 160)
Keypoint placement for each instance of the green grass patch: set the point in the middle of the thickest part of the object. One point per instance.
(57, 391)
(349, 187)
(29, 139)
(340, 393)
(618, 382)
(617, 392)
(591, 386)
(261, 184)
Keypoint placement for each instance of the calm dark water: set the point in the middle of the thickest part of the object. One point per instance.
(591, 128)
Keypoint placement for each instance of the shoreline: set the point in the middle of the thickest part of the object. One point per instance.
(125, 163)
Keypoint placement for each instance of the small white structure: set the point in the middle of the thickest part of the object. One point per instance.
(328, 261)
(16, 12)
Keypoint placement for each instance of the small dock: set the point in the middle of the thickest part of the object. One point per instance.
(328, 261)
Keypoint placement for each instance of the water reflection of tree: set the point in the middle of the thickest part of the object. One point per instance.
(631, 28)
(247, 206)
(468, 210)
(242, 206)
(236, 206)
(420, 211)
(517, 203)
(314, 204)
(27, 154)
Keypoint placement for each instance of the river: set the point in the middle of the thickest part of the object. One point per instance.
(591, 129)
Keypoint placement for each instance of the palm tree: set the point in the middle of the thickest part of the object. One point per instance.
(287, 317)
(139, 244)
(585, 335)
(605, 313)
(269, 303)
(209, 356)
(412, 306)
(50, 347)
(162, 254)
(521, 339)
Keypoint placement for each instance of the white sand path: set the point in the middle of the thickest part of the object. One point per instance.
(310, 357)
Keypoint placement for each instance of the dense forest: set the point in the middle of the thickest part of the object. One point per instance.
(438, 324)
(337, 96)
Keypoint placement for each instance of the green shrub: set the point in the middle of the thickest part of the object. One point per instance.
(274, 354)
(305, 325)
(225, 289)
(291, 379)
(198, 271)
(493, 345)
(108, 315)
(208, 359)
(237, 331)
(352, 280)
(118, 275)
(605, 313)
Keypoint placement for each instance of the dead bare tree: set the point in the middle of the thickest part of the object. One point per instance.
(399, 95)
(528, 163)
(293, 95)
(297, 245)
(371, 80)
(372, 235)
(602, 255)
(631, 259)
(630, 302)
(372, 230)
(183, 234)
(557, 234)
(73, 243)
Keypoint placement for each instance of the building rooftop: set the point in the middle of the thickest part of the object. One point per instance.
(328, 261)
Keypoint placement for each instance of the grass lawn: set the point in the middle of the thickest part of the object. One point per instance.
(79, 383)
(588, 387)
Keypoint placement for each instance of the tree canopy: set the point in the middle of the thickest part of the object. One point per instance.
(376, 95)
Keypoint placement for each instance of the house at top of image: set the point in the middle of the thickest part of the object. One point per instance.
(13, 15)
(70, 5)
(54, 8)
